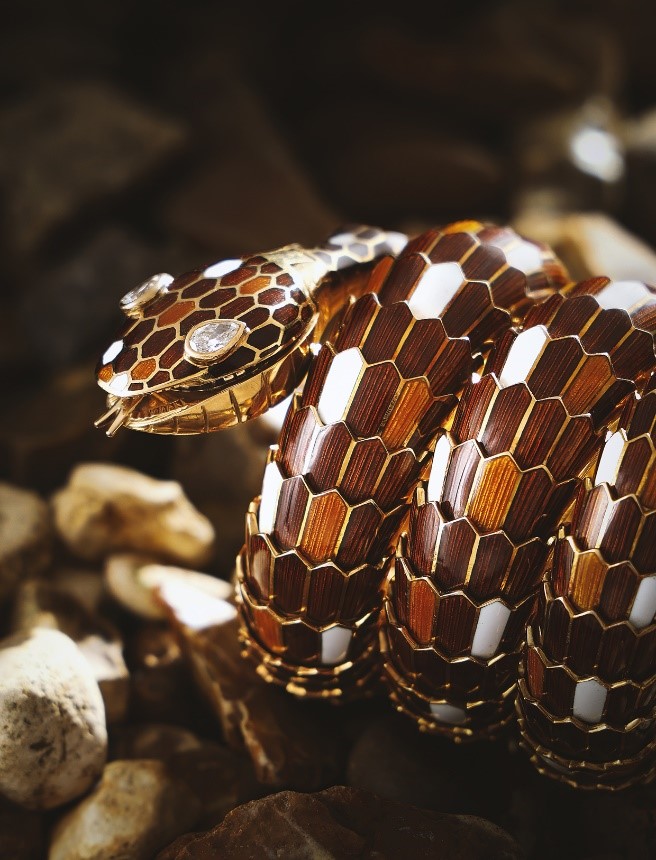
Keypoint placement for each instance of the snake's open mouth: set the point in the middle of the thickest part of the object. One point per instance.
(211, 404)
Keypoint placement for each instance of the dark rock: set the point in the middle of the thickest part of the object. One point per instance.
(291, 743)
(221, 473)
(150, 740)
(250, 194)
(221, 778)
(529, 62)
(22, 833)
(40, 44)
(639, 210)
(56, 431)
(69, 145)
(70, 308)
(394, 760)
(623, 823)
(392, 165)
(228, 464)
(84, 585)
(578, 153)
(159, 678)
(341, 823)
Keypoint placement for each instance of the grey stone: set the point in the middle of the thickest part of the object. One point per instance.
(53, 739)
(106, 508)
(592, 244)
(25, 537)
(135, 581)
(135, 809)
(42, 604)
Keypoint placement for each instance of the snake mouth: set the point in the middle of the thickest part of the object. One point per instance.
(211, 404)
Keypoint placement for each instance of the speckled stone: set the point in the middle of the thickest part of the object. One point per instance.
(106, 508)
(53, 739)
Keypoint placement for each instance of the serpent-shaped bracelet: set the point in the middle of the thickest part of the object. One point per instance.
(396, 430)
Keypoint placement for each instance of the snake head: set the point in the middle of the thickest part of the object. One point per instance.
(212, 347)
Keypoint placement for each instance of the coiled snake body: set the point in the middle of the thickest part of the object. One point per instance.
(462, 395)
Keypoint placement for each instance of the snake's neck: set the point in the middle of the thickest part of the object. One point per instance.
(339, 269)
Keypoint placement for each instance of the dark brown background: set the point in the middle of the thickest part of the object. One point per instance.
(148, 136)
(138, 137)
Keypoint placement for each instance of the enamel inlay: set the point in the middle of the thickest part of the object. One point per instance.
(309, 450)
(396, 241)
(589, 701)
(610, 459)
(644, 604)
(526, 257)
(271, 485)
(523, 354)
(492, 620)
(438, 469)
(223, 267)
(343, 239)
(435, 289)
(446, 713)
(119, 384)
(622, 294)
(112, 351)
(340, 385)
(335, 644)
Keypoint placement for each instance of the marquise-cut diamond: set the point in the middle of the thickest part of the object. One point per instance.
(215, 337)
(146, 291)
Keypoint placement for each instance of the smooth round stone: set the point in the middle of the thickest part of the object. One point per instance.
(106, 508)
(136, 809)
(135, 581)
(53, 739)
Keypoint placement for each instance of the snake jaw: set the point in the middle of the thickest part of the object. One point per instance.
(214, 402)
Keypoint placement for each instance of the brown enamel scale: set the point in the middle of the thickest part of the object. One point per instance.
(411, 370)
(596, 621)
(518, 445)
(527, 573)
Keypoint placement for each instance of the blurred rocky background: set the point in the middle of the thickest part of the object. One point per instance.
(138, 137)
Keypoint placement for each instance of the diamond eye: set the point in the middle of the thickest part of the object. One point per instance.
(134, 300)
(209, 341)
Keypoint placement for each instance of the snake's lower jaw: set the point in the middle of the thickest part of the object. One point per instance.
(222, 404)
